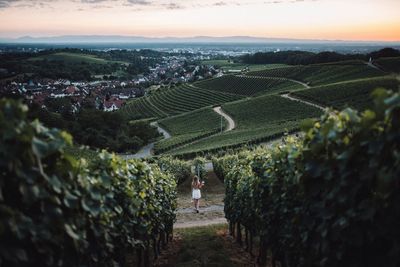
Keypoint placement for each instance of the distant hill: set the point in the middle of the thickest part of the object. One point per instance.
(196, 39)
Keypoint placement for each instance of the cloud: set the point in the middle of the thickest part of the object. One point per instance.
(7, 3)
(220, 3)
(92, 1)
(23, 3)
(173, 6)
(140, 2)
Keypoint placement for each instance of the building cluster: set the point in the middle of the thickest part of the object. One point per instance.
(104, 95)
(110, 94)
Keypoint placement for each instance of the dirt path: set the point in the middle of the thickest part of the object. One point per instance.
(287, 96)
(161, 130)
(231, 126)
(147, 151)
(372, 65)
(211, 204)
(200, 223)
(231, 122)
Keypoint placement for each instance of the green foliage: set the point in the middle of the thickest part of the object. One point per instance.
(328, 200)
(200, 167)
(297, 57)
(177, 168)
(321, 74)
(59, 211)
(79, 65)
(354, 94)
(248, 86)
(95, 128)
(178, 141)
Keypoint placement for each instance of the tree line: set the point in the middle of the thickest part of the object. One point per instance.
(306, 58)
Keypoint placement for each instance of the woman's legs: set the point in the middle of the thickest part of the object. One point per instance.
(197, 204)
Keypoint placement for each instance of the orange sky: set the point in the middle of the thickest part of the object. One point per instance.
(310, 19)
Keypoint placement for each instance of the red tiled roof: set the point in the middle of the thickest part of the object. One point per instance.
(118, 103)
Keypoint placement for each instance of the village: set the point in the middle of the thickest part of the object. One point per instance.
(110, 93)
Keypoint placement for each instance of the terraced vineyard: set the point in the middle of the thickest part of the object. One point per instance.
(237, 138)
(320, 74)
(257, 119)
(175, 101)
(200, 120)
(253, 102)
(227, 65)
(248, 86)
(189, 127)
(355, 94)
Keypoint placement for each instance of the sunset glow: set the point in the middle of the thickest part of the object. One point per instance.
(308, 19)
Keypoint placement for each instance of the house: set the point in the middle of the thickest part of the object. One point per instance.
(112, 104)
(72, 90)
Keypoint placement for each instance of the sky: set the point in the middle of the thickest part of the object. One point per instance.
(364, 20)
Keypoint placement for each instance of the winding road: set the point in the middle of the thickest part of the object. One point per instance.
(147, 151)
(287, 96)
(231, 122)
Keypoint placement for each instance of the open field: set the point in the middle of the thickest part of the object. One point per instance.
(73, 58)
(175, 101)
(248, 86)
(355, 94)
(320, 74)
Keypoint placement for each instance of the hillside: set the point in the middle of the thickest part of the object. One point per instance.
(355, 94)
(188, 127)
(257, 120)
(320, 74)
(253, 101)
(389, 64)
(248, 86)
(69, 57)
(175, 101)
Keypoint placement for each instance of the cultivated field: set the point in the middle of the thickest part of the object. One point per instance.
(254, 103)
(355, 94)
(175, 101)
(248, 86)
(189, 127)
(258, 119)
(321, 74)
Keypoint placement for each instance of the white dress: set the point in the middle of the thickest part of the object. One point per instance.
(196, 194)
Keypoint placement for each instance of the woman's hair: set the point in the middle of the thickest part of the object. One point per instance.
(195, 180)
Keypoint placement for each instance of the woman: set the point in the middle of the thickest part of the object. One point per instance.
(196, 194)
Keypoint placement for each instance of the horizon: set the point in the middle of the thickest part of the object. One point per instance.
(183, 39)
(324, 20)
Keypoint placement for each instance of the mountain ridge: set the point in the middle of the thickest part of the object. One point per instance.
(194, 39)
